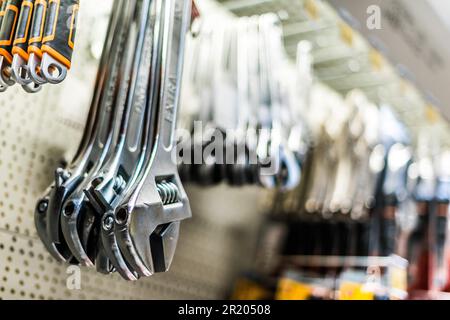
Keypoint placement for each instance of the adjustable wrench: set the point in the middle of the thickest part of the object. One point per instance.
(147, 226)
(77, 218)
(47, 214)
(142, 139)
(58, 41)
(118, 173)
(110, 238)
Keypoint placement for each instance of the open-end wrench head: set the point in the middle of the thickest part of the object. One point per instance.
(32, 87)
(52, 70)
(19, 70)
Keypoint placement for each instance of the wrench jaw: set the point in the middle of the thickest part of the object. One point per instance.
(102, 263)
(34, 69)
(125, 242)
(76, 221)
(52, 70)
(102, 191)
(64, 185)
(19, 70)
(40, 221)
(112, 249)
(154, 227)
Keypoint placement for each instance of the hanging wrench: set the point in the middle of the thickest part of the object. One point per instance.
(59, 39)
(7, 32)
(108, 229)
(35, 41)
(77, 218)
(142, 139)
(148, 225)
(20, 47)
(48, 208)
(3, 4)
(118, 172)
(288, 172)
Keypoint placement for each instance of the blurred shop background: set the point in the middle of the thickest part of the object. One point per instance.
(356, 94)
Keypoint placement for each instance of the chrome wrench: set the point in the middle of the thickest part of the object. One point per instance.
(147, 226)
(75, 207)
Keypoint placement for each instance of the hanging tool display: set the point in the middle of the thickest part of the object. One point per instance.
(119, 204)
(37, 38)
(235, 110)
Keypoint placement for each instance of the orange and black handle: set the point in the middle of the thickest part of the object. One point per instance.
(60, 30)
(20, 45)
(8, 28)
(37, 28)
(3, 4)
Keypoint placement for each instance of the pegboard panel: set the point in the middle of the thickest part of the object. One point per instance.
(36, 133)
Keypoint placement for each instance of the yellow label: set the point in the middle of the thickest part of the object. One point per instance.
(347, 33)
(248, 290)
(354, 291)
(312, 9)
(398, 278)
(292, 290)
(432, 114)
(376, 60)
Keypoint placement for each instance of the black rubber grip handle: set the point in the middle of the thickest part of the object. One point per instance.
(8, 28)
(37, 27)
(3, 4)
(23, 29)
(60, 30)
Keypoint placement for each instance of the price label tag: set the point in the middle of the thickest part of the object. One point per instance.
(432, 114)
(398, 278)
(312, 9)
(289, 289)
(354, 291)
(347, 33)
(376, 60)
(249, 290)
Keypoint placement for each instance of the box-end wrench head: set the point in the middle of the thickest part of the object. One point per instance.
(6, 79)
(52, 70)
